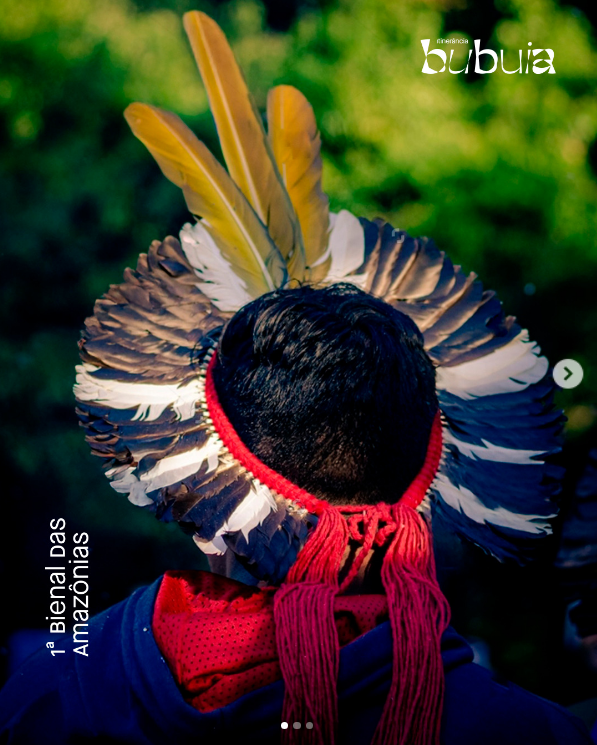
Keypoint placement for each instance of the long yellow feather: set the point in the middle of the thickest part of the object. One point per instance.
(296, 145)
(212, 195)
(242, 137)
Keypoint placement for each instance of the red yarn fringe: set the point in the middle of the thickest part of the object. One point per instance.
(307, 640)
(419, 615)
(306, 635)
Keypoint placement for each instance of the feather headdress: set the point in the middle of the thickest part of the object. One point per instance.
(142, 388)
(262, 222)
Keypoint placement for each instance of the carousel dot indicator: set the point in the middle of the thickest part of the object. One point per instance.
(309, 725)
(284, 725)
(297, 725)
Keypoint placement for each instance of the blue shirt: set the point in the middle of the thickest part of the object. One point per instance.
(123, 692)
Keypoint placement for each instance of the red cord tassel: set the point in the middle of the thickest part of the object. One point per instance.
(307, 639)
(306, 635)
(419, 615)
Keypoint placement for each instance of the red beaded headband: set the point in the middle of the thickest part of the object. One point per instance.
(413, 496)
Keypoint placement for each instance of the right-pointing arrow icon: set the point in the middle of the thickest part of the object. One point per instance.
(568, 373)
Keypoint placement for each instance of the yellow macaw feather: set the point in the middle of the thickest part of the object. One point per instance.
(211, 195)
(296, 145)
(242, 137)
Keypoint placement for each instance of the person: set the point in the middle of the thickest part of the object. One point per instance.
(305, 394)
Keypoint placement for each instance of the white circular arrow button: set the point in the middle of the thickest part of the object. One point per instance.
(568, 373)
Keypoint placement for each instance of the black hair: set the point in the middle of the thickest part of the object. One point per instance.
(330, 387)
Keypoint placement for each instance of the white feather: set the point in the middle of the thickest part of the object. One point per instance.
(126, 481)
(150, 399)
(490, 451)
(217, 278)
(462, 499)
(346, 246)
(217, 546)
(169, 470)
(250, 513)
(509, 369)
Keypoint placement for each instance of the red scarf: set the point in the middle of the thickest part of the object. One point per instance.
(218, 636)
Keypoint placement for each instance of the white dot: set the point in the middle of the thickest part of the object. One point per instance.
(297, 725)
(284, 725)
(309, 725)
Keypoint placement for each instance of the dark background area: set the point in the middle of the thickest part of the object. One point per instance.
(501, 170)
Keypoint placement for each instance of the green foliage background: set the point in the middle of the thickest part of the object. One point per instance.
(499, 169)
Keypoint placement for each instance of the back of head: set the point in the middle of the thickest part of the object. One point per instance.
(330, 388)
